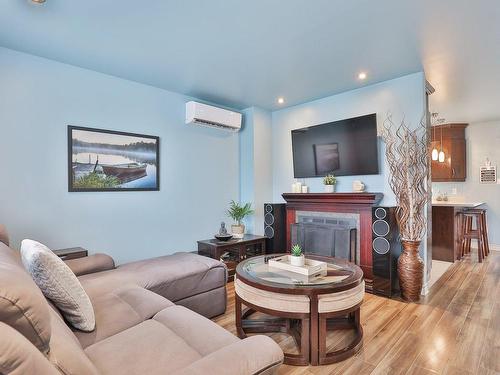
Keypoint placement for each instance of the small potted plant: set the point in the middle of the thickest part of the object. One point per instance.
(297, 257)
(238, 212)
(329, 181)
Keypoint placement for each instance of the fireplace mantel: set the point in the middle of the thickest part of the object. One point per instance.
(359, 203)
(370, 199)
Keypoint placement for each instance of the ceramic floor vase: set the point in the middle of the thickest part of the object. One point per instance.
(410, 271)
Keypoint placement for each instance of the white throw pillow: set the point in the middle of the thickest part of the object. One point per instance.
(59, 284)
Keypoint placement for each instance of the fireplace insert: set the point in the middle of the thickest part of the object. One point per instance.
(323, 238)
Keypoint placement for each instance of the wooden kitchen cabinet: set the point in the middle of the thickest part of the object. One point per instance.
(454, 167)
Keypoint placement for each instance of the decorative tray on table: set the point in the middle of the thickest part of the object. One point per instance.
(310, 268)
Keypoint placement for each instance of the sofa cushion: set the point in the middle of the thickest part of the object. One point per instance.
(58, 283)
(90, 264)
(22, 305)
(66, 353)
(147, 348)
(199, 333)
(19, 357)
(174, 277)
(179, 275)
(208, 304)
(121, 309)
(254, 355)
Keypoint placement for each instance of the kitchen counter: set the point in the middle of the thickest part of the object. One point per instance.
(465, 204)
(445, 229)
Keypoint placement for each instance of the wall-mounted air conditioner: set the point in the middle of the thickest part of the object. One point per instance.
(213, 117)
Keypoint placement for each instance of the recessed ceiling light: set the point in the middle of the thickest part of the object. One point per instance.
(281, 100)
(38, 1)
(362, 75)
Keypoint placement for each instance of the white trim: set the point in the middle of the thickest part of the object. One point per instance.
(425, 289)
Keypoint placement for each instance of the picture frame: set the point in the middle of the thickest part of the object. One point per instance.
(101, 160)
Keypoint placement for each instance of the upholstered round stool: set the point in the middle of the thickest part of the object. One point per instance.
(304, 308)
(290, 312)
(339, 311)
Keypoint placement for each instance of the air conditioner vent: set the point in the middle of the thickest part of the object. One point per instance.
(213, 117)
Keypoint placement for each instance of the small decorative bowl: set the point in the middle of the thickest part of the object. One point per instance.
(226, 237)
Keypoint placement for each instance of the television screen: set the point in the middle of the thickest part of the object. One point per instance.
(344, 148)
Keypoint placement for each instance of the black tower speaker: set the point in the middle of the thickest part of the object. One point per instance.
(275, 227)
(386, 248)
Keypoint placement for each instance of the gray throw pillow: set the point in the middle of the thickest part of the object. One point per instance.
(59, 284)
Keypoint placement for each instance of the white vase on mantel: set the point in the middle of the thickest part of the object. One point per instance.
(329, 188)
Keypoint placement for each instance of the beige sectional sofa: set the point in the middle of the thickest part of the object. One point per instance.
(138, 330)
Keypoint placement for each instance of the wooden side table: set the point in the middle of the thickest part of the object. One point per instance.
(71, 253)
(233, 251)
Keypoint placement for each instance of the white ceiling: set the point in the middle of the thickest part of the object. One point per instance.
(244, 53)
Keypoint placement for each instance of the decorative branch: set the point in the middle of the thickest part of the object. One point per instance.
(407, 156)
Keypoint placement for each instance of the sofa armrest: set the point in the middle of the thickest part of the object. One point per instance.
(91, 264)
(251, 356)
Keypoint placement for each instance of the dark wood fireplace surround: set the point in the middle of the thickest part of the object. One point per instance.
(358, 203)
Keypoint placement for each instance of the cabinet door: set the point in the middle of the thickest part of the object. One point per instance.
(442, 171)
(458, 160)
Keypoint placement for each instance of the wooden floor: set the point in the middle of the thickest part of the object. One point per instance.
(455, 329)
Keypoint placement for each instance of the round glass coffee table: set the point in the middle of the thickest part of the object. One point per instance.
(304, 307)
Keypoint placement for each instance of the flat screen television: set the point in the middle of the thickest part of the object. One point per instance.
(345, 148)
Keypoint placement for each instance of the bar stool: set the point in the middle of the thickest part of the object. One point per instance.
(466, 233)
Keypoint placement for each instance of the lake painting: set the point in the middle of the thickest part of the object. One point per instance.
(105, 160)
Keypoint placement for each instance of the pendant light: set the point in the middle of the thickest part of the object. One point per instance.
(435, 152)
(441, 153)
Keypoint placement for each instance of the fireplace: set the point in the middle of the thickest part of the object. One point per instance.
(345, 206)
(327, 233)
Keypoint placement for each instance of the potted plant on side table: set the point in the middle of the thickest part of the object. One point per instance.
(329, 181)
(238, 212)
(297, 257)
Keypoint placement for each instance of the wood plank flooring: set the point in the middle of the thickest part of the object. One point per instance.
(455, 329)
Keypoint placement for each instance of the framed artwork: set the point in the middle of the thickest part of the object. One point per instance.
(326, 158)
(106, 160)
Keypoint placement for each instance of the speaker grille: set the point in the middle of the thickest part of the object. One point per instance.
(380, 213)
(381, 228)
(269, 219)
(268, 208)
(269, 232)
(381, 245)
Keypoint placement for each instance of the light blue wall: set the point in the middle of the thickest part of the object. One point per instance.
(402, 97)
(483, 141)
(247, 191)
(256, 180)
(39, 98)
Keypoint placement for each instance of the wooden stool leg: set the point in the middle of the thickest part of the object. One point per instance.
(485, 233)
(480, 242)
(305, 340)
(239, 327)
(463, 232)
(322, 338)
(460, 236)
(468, 228)
(314, 331)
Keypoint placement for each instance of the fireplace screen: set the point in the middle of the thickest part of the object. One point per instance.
(336, 240)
